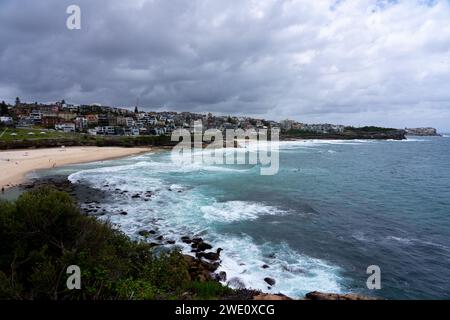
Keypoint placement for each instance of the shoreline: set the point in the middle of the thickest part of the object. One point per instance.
(15, 165)
(202, 261)
(90, 203)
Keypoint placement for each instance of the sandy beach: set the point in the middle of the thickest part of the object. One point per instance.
(15, 164)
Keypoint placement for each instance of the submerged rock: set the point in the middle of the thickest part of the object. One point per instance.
(270, 281)
(144, 233)
(186, 239)
(236, 282)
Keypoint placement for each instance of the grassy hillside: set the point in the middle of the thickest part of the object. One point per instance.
(38, 138)
(11, 134)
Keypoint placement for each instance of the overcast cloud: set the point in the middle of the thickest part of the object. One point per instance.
(342, 61)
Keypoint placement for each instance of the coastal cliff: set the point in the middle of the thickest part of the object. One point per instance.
(428, 131)
(349, 133)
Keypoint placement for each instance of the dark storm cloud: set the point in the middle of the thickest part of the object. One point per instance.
(354, 62)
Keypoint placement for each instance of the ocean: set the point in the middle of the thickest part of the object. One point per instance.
(334, 208)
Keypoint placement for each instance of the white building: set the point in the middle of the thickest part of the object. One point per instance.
(66, 127)
(6, 120)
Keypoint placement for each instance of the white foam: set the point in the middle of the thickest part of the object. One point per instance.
(237, 211)
(190, 212)
(296, 144)
(412, 140)
(295, 274)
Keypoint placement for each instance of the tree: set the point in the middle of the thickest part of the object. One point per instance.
(136, 110)
(3, 109)
(17, 102)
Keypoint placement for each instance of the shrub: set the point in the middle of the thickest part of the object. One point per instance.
(43, 232)
(209, 290)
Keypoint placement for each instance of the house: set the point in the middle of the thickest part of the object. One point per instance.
(106, 130)
(129, 122)
(49, 121)
(6, 121)
(92, 119)
(67, 116)
(287, 124)
(36, 116)
(66, 127)
(131, 131)
(81, 123)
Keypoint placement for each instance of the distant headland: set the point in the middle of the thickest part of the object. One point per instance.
(428, 131)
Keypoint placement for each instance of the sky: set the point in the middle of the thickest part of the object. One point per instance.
(352, 62)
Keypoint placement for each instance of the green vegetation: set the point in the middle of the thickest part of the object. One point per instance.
(43, 232)
(209, 290)
(12, 134)
(3, 109)
(349, 133)
(369, 129)
(12, 138)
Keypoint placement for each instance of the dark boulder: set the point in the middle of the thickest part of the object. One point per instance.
(186, 239)
(269, 281)
(236, 282)
(213, 256)
(202, 246)
(144, 233)
(221, 276)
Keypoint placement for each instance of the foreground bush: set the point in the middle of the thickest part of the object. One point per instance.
(43, 232)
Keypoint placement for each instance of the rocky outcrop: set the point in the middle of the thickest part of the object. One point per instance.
(200, 270)
(392, 134)
(315, 295)
(271, 297)
(422, 131)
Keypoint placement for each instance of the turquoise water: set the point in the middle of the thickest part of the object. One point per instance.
(334, 208)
